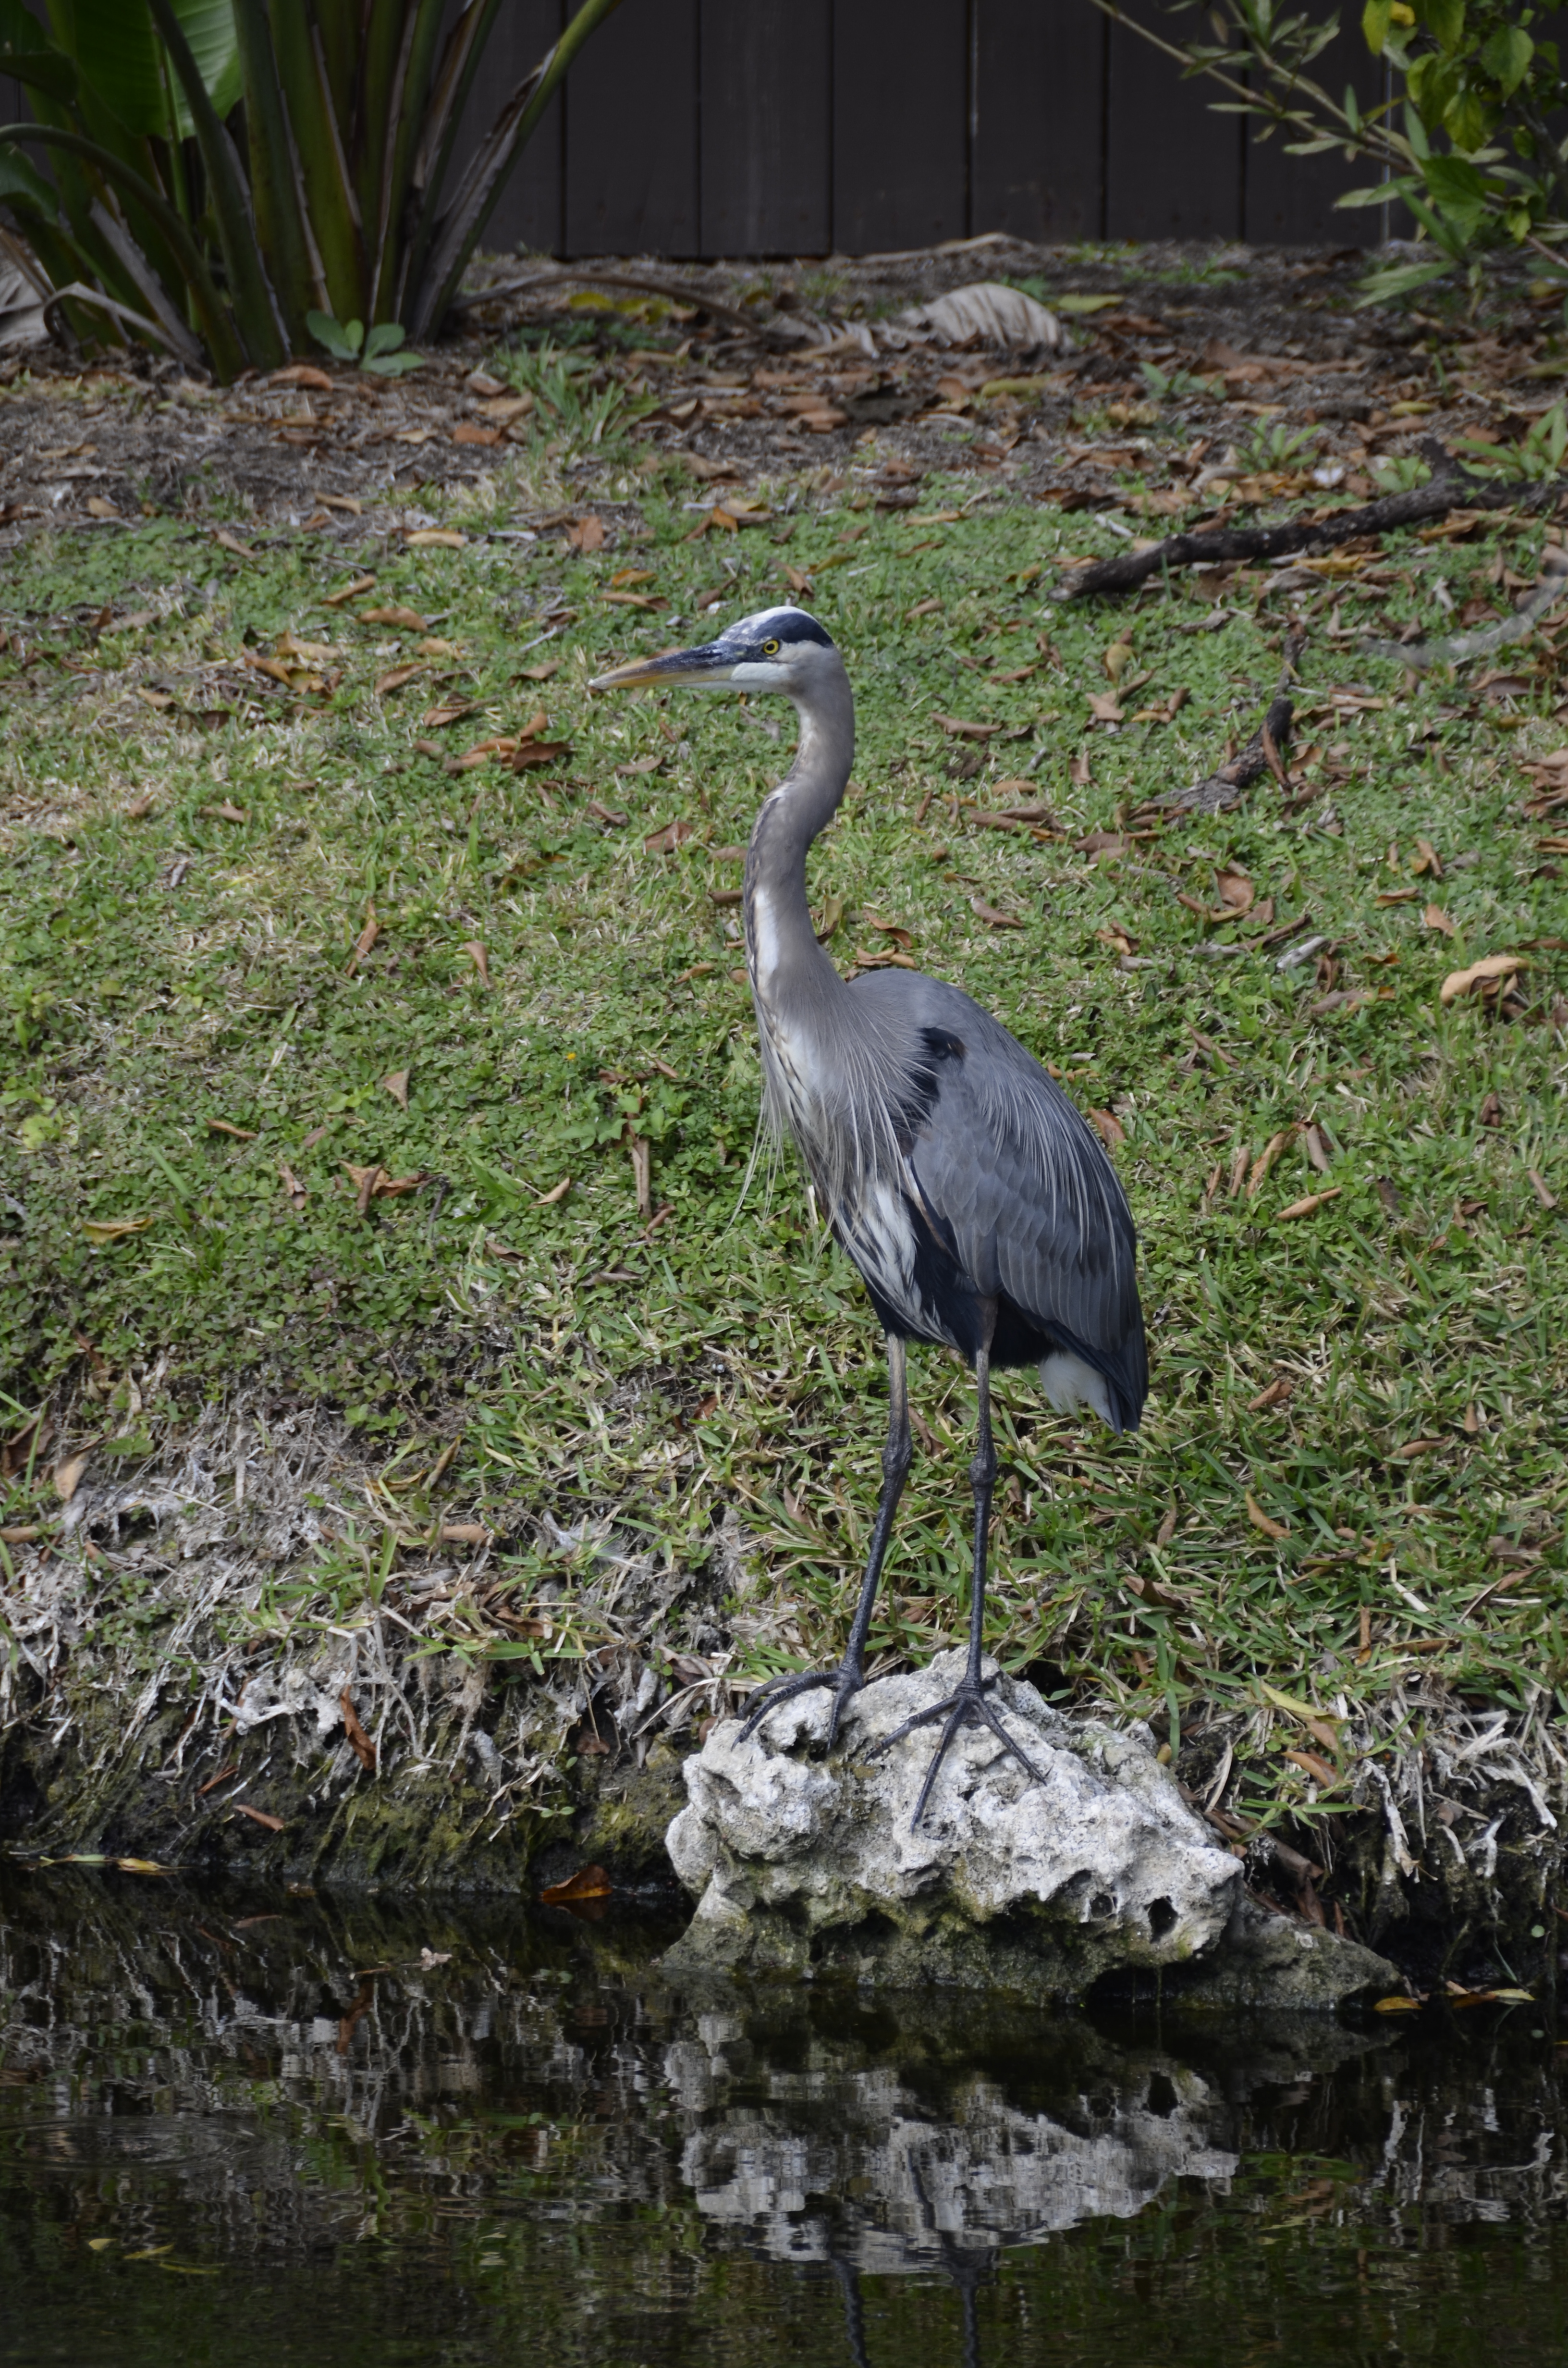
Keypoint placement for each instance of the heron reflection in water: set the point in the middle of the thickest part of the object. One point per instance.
(980, 1208)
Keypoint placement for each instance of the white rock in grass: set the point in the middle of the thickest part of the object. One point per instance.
(807, 1860)
(988, 313)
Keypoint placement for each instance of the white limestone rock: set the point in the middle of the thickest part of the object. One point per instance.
(806, 1861)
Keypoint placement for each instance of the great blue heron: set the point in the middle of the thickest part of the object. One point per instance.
(981, 1210)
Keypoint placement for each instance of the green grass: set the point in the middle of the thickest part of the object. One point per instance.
(598, 1369)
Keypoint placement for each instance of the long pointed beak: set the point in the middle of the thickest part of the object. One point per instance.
(699, 669)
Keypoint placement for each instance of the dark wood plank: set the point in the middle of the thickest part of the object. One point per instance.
(528, 211)
(1173, 169)
(1036, 165)
(900, 124)
(1290, 199)
(632, 169)
(767, 129)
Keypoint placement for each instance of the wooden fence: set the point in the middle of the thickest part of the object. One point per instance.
(806, 127)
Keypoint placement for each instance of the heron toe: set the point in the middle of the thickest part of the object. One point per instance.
(844, 1680)
(967, 1702)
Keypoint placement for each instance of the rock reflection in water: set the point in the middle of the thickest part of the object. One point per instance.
(535, 2126)
(853, 2166)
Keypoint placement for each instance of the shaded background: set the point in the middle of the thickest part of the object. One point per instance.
(810, 127)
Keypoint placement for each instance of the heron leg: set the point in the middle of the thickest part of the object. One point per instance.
(850, 1675)
(967, 1702)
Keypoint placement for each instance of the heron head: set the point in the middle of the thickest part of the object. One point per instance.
(776, 649)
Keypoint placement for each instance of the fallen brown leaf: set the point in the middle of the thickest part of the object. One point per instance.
(1427, 859)
(224, 812)
(1434, 918)
(464, 1533)
(396, 1084)
(994, 918)
(260, 1817)
(139, 807)
(468, 431)
(364, 1182)
(300, 374)
(22, 1534)
(588, 534)
(409, 620)
(98, 507)
(365, 940)
(1266, 1159)
(359, 1742)
(480, 959)
(556, 1192)
(589, 1883)
(1319, 1150)
(349, 591)
(541, 673)
(1275, 1394)
(1480, 973)
(1542, 1192)
(227, 1126)
(1491, 1112)
(434, 538)
(395, 678)
(1236, 891)
(956, 728)
(292, 1185)
(665, 841)
(1109, 1129)
(232, 542)
(1260, 1519)
(68, 1478)
(1318, 1769)
(1310, 1203)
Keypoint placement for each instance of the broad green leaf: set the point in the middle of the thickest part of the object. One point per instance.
(341, 339)
(27, 54)
(117, 49)
(1376, 19)
(1507, 58)
(384, 339)
(1468, 119)
(393, 365)
(1444, 19)
(19, 182)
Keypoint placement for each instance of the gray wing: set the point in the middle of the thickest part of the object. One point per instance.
(1014, 1177)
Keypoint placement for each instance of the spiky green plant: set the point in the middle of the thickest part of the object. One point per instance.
(219, 170)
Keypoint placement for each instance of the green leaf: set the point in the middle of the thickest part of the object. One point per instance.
(26, 53)
(384, 339)
(341, 340)
(19, 182)
(117, 49)
(1376, 19)
(1444, 19)
(393, 365)
(1506, 57)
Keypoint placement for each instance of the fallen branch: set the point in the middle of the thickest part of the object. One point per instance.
(678, 291)
(1451, 488)
(1454, 649)
(1264, 753)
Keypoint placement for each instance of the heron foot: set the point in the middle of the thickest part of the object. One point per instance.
(966, 1702)
(845, 1680)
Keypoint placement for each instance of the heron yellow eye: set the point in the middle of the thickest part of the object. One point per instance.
(770, 649)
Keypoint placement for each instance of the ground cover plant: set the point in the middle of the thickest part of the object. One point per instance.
(379, 1039)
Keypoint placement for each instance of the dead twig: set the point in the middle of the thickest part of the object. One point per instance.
(679, 291)
(1451, 488)
(1262, 754)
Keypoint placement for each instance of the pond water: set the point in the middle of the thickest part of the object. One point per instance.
(336, 2131)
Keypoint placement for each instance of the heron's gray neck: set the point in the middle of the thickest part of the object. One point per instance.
(787, 963)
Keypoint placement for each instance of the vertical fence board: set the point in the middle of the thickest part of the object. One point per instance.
(767, 129)
(1290, 199)
(1037, 167)
(527, 212)
(632, 171)
(1173, 169)
(900, 124)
